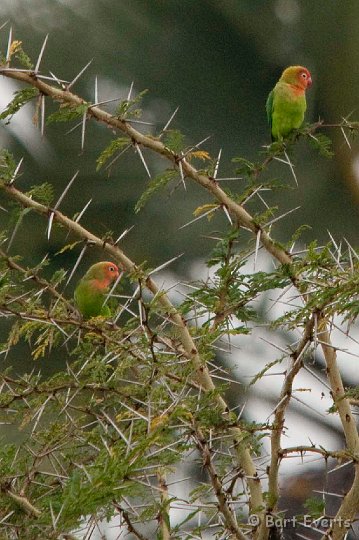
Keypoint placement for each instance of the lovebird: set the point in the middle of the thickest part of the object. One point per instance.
(93, 287)
(286, 103)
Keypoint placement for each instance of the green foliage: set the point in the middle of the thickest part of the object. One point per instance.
(129, 108)
(22, 97)
(157, 183)
(315, 507)
(7, 166)
(67, 112)
(322, 143)
(174, 140)
(116, 145)
(43, 193)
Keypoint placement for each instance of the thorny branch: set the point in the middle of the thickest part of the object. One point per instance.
(245, 220)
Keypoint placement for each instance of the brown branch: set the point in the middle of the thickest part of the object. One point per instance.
(131, 528)
(244, 219)
(40, 281)
(200, 368)
(24, 503)
(223, 506)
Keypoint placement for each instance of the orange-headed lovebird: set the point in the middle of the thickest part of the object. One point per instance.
(91, 290)
(286, 103)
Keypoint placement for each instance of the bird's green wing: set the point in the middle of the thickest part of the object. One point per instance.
(269, 107)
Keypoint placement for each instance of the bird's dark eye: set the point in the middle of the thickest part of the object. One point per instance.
(304, 75)
(112, 268)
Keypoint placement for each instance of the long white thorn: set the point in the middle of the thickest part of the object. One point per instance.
(96, 90)
(60, 199)
(83, 211)
(130, 91)
(79, 258)
(182, 175)
(79, 74)
(41, 54)
(123, 234)
(199, 217)
(258, 239)
(16, 171)
(9, 46)
(164, 265)
(139, 151)
(215, 172)
(42, 128)
(225, 209)
(280, 217)
(83, 130)
(170, 120)
(345, 137)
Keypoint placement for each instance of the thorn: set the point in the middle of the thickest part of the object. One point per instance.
(280, 217)
(117, 281)
(96, 90)
(4, 24)
(217, 163)
(164, 265)
(79, 258)
(73, 128)
(13, 178)
(59, 81)
(83, 211)
(229, 178)
(117, 157)
(49, 225)
(170, 120)
(41, 53)
(122, 235)
(60, 199)
(9, 46)
(138, 149)
(345, 137)
(130, 92)
(42, 106)
(197, 145)
(251, 194)
(288, 162)
(84, 118)
(257, 247)
(79, 75)
(199, 217)
(182, 175)
(225, 209)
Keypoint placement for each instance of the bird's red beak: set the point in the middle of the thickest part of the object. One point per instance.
(309, 82)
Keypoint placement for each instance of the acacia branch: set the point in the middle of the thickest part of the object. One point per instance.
(244, 219)
(201, 370)
(223, 506)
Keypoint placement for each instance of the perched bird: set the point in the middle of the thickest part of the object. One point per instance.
(286, 103)
(91, 290)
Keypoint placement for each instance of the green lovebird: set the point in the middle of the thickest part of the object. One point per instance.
(91, 290)
(286, 104)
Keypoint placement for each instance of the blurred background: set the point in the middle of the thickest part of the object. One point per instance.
(216, 61)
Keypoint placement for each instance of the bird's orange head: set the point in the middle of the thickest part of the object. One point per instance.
(102, 274)
(298, 76)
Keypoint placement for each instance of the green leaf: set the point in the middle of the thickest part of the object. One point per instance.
(315, 507)
(322, 143)
(155, 185)
(21, 97)
(127, 107)
(114, 146)
(67, 112)
(43, 193)
(174, 140)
